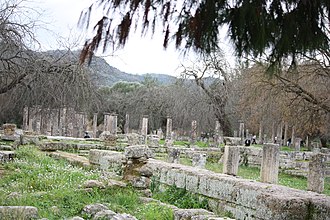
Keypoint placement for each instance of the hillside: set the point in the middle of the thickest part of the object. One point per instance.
(102, 74)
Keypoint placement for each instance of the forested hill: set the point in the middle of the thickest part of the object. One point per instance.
(105, 75)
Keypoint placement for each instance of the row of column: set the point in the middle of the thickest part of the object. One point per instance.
(68, 122)
(279, 135)
(56, 122)
(270, 166)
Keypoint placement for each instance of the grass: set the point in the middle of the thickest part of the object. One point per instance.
(181, 198)
(53, 186)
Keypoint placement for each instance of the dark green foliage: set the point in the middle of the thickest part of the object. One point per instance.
(281, 28)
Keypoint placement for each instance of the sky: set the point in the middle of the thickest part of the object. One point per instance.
(139, 56)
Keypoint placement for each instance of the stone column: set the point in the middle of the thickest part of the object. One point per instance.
(94, 125)
(62, 121)
(25, 118)
(106, 122)
(70, 121)
(47, 121)
(316, 173)
(32, 115)
(38, 120)
(168, 128)
(270, 163)
(79, 117)
(231, 160)
(247, 134)
(235, 133)
(54, 122)
(279, 134)
(113, 124)
(241, 132)
(293, 135)
(260, 141)
(144, 127)
(126, 126)
(193, 136)
(218, 134)
(273, 132)
(286, 126)
(296, 143)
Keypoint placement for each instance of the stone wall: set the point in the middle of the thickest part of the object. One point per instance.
(245, 199)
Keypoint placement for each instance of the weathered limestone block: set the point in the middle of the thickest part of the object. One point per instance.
(245, 199)
(71, 158)
(135, 139)
(29, 139)
(316, 174)
(112, 163)
(108, 138)
(6, 156)
(53, 146)
(231, 160)
(95, 156)
(168, 143)
(92, 209)
(173, 155)
(6, 148)
(232, 141)
(18, 212)
(270, 163)
(104, 214)
(188, 214)
(153, 140)
(199, 160)
(138, 151)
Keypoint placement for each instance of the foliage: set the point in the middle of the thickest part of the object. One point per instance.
(153, 211)
(254, 27)
(181, 198)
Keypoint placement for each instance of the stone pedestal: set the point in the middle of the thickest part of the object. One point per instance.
(270, 163)
(316, 174)
(231, 160)
(173, 155)
(199, 160)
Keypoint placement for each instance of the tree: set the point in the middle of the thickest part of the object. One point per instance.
(16, 29)
(300, 99)
(213, 65)
(280, 28)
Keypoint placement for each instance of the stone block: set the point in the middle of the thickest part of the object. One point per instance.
(138, 151)
(316, 173)
(18, 212)
(231, 160)
(187, 214)
(232, 141)
(6, 156)
(270, 163)
(95, 156)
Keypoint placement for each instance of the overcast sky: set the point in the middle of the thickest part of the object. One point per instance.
(140, 55)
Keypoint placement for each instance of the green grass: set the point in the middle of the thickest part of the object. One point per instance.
(53, 186)
(181, 198)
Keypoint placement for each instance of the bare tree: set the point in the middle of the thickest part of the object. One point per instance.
(213, 65)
